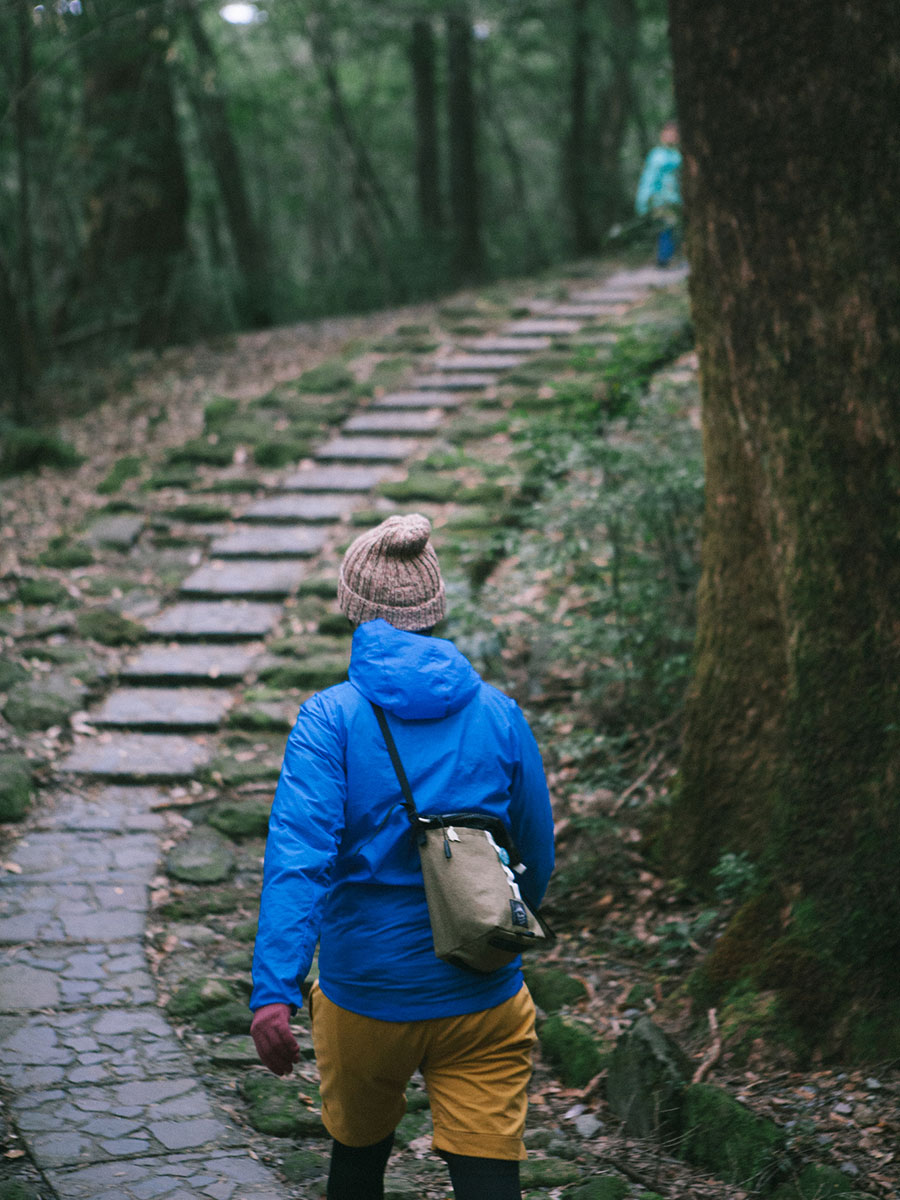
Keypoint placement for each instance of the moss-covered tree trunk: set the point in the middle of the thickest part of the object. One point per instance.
(792, 750)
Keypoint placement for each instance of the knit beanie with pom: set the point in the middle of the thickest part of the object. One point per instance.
(392, 572)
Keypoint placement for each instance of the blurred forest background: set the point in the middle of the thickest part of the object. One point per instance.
(176, 170)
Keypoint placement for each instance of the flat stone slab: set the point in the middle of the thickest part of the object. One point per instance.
(420, 399)
(322, 508)
(84, 857)
(111, 807)
(217, 1175)
(469, 381)
(96, 1046)
(143, 757)
(161, 708)
(604, 295)
(415, 421)
(508, 345)
(64, 976)
(115, 533)
(76, 912)
(271, 541)
(368, 449)
(585, 312)
(244, 577)
(335, 479)
(214, 664)
(542, 327)
(215, 619)
(101, 1124)
(478, 362)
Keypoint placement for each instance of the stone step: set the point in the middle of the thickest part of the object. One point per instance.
(336, 478)
(541, 327)
(603, 295)
(368, 449)
(236, 1174)
(111, 808)
(117, 532)
(58, 976)
(245, 577)
(469, 381)
(213, 664)
(313, 509)
(71, 912)
(585, 312)
(138, 757)
(421, 421)
(69, 856)
(226, 620)
(478, 362)
(422, 399)
(270, 541)
(507, 345)
(160, 709)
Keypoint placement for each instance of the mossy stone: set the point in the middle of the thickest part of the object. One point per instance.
(571, 1049)
(818, 1183)
(317, 671)
(645, 1082)
(236, 1051)
(66, 556)
(721, 1135)
(108, 628)
(219, 411)
(551, 988)
(607, 1187)
(263, 716)
(548, 1172)
(303, 1166)
(202, 902)
(41, 591)
(238, 960)
(198, 996)
(11, 673)
(229, 772)
(203, 857)
(280, 1108)
(244, 931)
(280, 452)
(40, 703)
(15, 786)
(439, 489)
(245, 819)
(329, 377)
(232, 1017)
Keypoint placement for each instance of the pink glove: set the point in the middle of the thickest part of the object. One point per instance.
(275, 1044)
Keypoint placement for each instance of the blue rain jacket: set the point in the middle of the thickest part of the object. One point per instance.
(341, 866)
(659, 185)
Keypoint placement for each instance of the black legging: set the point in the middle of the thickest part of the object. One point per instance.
(357, 1173)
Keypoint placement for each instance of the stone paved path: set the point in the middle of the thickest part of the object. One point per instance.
(102, 1091)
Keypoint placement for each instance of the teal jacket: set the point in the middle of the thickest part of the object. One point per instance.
(660, 185)
(341, 867)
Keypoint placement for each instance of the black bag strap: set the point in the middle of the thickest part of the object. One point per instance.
(408, 803)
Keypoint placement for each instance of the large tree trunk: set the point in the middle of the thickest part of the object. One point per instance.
(465, 194)
(422, 58)
(138, 201)
(792, 749)
(250, 248)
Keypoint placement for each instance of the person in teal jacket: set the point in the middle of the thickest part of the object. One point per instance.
(342, 870)
(659, 191)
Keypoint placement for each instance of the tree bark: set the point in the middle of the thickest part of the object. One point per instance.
(792, 746)
(465, 184)
(422, 58)
(250, 248)
(138, 200)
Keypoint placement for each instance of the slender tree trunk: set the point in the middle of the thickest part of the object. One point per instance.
(577, 169)
(422, 58)
(465, 186)
(250, 247)
(138, 201)
(615, 112)
(792, 748)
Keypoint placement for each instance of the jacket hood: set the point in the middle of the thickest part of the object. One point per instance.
(416, 677)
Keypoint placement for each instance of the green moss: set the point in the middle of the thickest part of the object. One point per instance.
(334, 625)
(818, 1183)
(551, 988)
(171, 477)
(318, 671)
(198, 996)
(232, 1017)
(14, 1189)
(66, 555)
(203, 901)
(201, 452)
(329, 377)
(607, 1187)
(11, 673)
(438, 489)
(23, 448)
(42, 591)
(125, 468)
(219, 412)
(41, 703)
(279, 452)
(201, 512)
(549, 1172)
(279, 1108)
(571, 1049)
(304, 1166)
(108, 627)
(15, 787)
(723, 1136)
(246, 819)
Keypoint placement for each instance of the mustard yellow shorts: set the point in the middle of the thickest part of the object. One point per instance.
(476, 1069)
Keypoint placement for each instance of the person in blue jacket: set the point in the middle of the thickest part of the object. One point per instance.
(659, 191)
(341, 869)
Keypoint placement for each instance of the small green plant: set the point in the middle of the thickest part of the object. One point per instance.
(736, 877)
(128, 467)
(25, 449)
(66, 555)
(329, 377)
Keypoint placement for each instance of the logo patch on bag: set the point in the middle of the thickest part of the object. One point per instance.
(519, 914)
